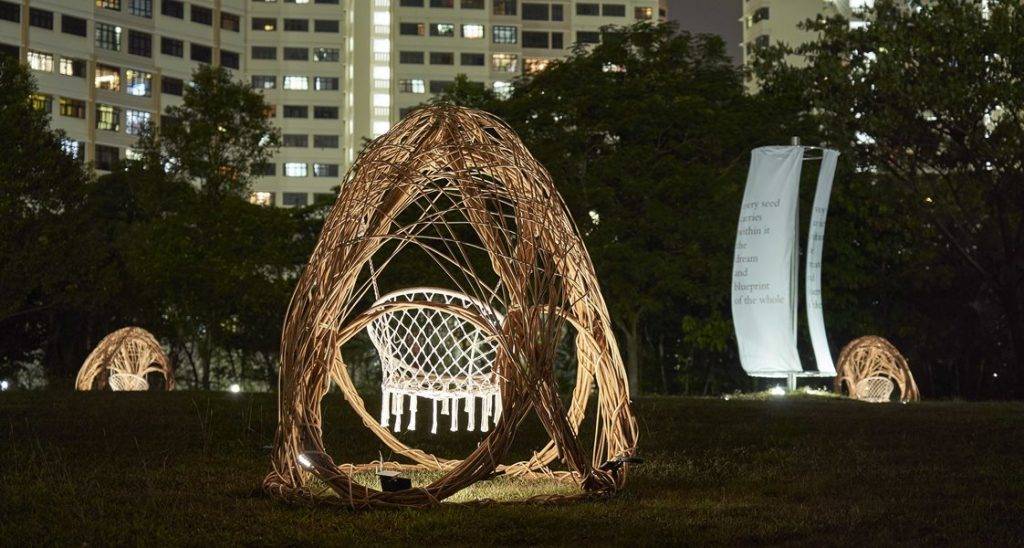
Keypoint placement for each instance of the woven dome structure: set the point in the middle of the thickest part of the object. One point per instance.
(864, 365)
(123, 360)
(458, 187)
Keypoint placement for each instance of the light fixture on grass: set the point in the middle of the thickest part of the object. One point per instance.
(234, 388)
(777, 391)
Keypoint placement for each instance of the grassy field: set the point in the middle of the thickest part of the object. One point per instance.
(185, 468)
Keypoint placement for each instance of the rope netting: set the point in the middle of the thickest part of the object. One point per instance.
(433, 354)
(457, 188)
(122, 360)
(873, 356)
(874, 389)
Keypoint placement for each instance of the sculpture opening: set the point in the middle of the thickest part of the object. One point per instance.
(459, 188)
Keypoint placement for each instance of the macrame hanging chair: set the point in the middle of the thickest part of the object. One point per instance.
(431, 353)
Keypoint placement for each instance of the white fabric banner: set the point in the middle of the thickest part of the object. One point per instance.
(812, 283)
(765, 268)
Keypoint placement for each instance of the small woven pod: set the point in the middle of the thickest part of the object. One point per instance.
(457, 186)
(872, 356)
(125, 356)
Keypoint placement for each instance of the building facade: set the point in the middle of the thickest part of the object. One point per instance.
(767, 22)
(335, 72)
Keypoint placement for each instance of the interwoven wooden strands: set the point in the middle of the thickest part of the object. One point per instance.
(122, 361)
(869, 357)
(459, 187)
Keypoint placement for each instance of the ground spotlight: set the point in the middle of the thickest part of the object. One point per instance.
(4, 385)
(234, 388)
(777, 391)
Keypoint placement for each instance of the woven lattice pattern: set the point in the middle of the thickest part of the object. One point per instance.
(122, 360)
(871, 357)
(874, 389)
(434, 354)
(456, 188)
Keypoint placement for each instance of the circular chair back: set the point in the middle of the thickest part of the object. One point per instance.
(127, 382)
(875, 389)
(432, 353)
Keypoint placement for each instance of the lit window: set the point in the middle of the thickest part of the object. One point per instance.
(326, 83)
(72, 67)
(381, 100)
(442, 29)
(138, 83)
(264, 82)
(325, 170)
(503, 89)
(534, 65)
(72, 148)
(135, 121)
(108, 36)
(473, 31)
(505, 34)
(72, 108)
(381, 127)
(381, 18)
(40, 61)
(504, 62)
(109, 4)
(382, 73)
(132, 154)
(42, 102)
(643, 14)
(381, 45)
(296, 82)
(108, 78)
(326, 54)
(415, 85)
(108, 118)
(262, 198)
(295, 169)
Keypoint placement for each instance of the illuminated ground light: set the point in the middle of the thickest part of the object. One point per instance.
(777, 391)
(4, 385)
(234, 389)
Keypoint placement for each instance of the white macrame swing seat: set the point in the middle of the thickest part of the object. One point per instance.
(875, 389)
(434, 354)
(127, 382)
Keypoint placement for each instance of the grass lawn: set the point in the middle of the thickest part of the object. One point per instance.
(185, 467)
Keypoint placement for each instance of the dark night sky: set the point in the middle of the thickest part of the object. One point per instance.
(711, 16)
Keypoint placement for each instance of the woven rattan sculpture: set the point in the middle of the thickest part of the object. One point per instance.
(869, 357)
(459, 188)
(122, 361)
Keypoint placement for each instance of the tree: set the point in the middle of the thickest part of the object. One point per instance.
(928, 99)
(219, 137)
(42, 256)
(647, 136)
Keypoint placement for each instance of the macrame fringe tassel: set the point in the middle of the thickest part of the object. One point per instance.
(455, 414)
(497, 408)
(397, 407)
(385, 408)
(433, 424)
(412, 412)
(471, 412)
(485, 414)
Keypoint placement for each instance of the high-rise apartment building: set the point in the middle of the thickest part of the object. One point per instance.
(767, 22)
(335, 72)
